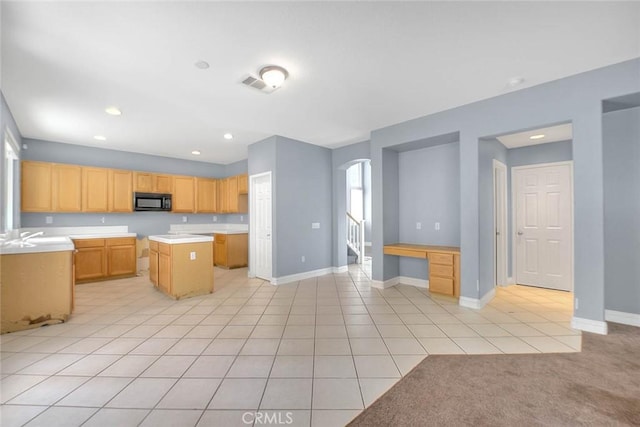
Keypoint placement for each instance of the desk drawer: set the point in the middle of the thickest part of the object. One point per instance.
(440, 258)
(412, 253)
(441, 270)
(441, 285)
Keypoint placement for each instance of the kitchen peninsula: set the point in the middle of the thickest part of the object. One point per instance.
(180, 264)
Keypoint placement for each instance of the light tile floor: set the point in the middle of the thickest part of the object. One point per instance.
(312, 353)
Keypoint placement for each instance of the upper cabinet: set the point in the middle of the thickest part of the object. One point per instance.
(147, 182)
(206, 195)
(36, 189)
(95, 189)
(67, 188)
(183, 199)
(53, 187)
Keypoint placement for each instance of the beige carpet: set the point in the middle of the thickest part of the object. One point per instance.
(599, 386)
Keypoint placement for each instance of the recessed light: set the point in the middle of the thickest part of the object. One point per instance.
(203, 65)
(195, 152)
(539, 136)
(100, 137)
(228, 136)
(113, 111)
(515, 81)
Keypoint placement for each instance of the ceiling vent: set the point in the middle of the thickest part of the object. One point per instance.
(258, 84)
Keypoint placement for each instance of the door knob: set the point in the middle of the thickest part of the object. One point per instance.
(520, 233)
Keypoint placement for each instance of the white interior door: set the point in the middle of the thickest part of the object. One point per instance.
(500, 221)
(261, 221)
(544, 226)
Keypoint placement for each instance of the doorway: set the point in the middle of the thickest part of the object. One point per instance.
(542, 198)
(260, 230)
(500, 222)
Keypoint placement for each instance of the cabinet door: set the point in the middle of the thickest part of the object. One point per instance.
(67, 188)
(153, 267)
(206, 195)
(95, 190)
(162, 183)
(232, 194)
(143, 182)
(183, 194)
(121, 257)
(223, 195)
(36, 187)
(91, 263)
(164, 272)
(220, 251)
(120, 191)
(243, 184)
(237, 250)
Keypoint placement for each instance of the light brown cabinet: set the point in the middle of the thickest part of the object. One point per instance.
(165, 274)
(95, 189)
(120, 191)
(153, 262)
(243, 184)
(36, 189)
(230, 250)
(229, 198)
(183, 194)
(223, 200)
(206, 195)
(148, 182)
(67, 188)
(98, 259)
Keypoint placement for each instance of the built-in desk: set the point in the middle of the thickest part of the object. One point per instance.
(444, 264)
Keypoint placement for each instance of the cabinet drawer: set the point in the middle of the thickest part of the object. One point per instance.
(441, 270)
(121, 241)
(88, 243)
(440, 258)
(220, 238)
(441, 285)
(164, 248)
(153, 246)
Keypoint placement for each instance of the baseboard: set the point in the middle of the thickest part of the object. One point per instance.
(476, 303)
(341, 269)
(301, 276)
(378, 284)
(511, 281)
(631, 319)
(250, 274)
(418, 283)
(588, 325)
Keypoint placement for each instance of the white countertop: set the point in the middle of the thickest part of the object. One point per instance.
(178, 239)
(209, 228)
(97, 232)
(36, 245)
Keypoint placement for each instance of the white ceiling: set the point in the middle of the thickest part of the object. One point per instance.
(556, 133)
(354, 66)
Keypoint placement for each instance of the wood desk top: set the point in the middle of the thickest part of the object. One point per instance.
(418, 251)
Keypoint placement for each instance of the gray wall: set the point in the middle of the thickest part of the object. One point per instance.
(621, 131)
(390, 184)
(303, 197)
(488, 150)
(577, 99)
(8, 123)
(341, 158)
(429, 192)
(143, 223)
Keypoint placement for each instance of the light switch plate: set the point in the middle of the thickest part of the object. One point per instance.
(437, 226)
(48, 220)
(184, 219)
(418, 226)
(315, 225)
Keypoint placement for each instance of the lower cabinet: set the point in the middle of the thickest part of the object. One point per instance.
(153, 262)
(100, 259)
(231, 250)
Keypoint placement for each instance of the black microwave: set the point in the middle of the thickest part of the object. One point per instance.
(151, 202)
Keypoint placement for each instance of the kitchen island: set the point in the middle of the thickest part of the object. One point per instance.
(230, 241)
(36, 282)
(180, 264)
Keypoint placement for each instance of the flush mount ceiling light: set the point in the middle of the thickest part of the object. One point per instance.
(113, 111)
(100, 137)
(203, 65)
(227, 136)
(195, 152)
(273, 75)
(539, 136)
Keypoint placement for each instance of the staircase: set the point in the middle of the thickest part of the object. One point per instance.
(355, 237)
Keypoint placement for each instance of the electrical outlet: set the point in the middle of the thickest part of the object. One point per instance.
(184, 219)
(418, 226)
(437, 226)
(241, 218)
(102, 220)
(302, 258)
(315, 225)
(215, 218)
(192, 256)
(48, 220)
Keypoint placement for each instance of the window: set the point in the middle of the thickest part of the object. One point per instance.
(354, 191)
(9, 178)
